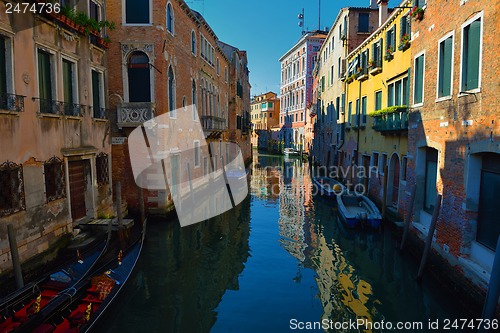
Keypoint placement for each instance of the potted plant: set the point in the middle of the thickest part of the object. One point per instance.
(371, 63)
(404, 43)
(389, 54)
(417, 13)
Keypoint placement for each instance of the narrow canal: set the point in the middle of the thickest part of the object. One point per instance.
(280, 256)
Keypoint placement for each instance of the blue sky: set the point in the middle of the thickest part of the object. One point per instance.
(266, 29)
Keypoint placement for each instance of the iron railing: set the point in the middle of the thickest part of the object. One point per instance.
(392, 122)
(134, 114)
(100, 113)
(11, 102)
(49, 106)
(212, 123)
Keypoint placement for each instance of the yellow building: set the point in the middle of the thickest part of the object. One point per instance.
(377, 90)
(264, 115)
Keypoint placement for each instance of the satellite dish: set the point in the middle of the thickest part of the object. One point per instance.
(300, 16)
(301, 24)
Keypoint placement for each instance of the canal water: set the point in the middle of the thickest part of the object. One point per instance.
(277, 261)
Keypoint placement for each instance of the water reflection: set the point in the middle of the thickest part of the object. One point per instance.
(183, 273)
(297, 262)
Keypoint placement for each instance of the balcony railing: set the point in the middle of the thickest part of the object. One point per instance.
(392, 122)
(134, 114)
(49, 106)
(213, 124)
(100, 113)
(11, 102)
(376, 67)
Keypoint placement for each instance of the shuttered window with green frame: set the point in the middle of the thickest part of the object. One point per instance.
(44, 75)
(67, 67)
(3, 66)
(418, 86)
(445, 67)
(471, 55)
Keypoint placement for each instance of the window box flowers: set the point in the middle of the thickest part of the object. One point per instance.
(389, 54)
(404, 43)
(417, 13)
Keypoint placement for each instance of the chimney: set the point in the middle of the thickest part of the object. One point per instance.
(373, 4)
(383, 11)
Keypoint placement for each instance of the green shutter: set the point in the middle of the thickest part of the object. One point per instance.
(445, 67)
(472, 35)
(378, 100)
(419, 84)
(96, 103)
(44, 80)
(67, 81)
(3, 67)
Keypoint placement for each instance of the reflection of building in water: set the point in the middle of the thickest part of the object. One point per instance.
(295, 191)
(197, 265)
(265, 182)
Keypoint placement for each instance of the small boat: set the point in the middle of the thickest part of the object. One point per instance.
(290, 152)
(357, 210)
(80, 309)
(328, 187)
(19, 306)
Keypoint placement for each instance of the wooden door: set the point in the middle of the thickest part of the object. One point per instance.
(77, 189)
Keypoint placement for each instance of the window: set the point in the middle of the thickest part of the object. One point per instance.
(94, 11)
(391, 38)
(363, 110)
(197, 153)
(137, 11)
(205, 166)
(139, 73)
(349, 111)
(226, 74)
(378, 100)
(217, 66)
(390, 95)
(171, 93)
(419, 3)
(194, 101)
(45, 89)
(3, 70)
(358, 113)
(331, 75)
(375, 160)
(337, 107)
(418, 85)
(12, 188)
(339, 65)
(431, 158)
(377, 53)
(364, 22)
(102, 168)
(383, 163)
(97, 100)
(397, 92)
(170, 19)
(471, 55)
(364, 60)
(405, 27)
(69, 89)
(207, 50)
(193, 42)
(53, 171)
(404, 163)
(445, 67)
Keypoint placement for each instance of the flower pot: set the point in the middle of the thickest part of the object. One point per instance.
(419, 16)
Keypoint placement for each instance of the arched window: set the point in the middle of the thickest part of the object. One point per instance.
(170, 18)
(171, 92)
(194, 101)
(193, 42)
(139, 77)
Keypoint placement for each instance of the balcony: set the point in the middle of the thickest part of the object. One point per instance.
(11, 102)
(100, 113)
(362, 74)
(375, 66)
(392, 122)
(213, 124)
(58, 108)
(134, 114)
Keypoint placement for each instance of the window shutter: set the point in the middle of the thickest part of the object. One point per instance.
(374, 54)
(402, 26)
(473, 46)
(3, 67)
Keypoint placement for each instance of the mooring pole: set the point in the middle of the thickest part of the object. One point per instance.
(409, 214)
(142, 209)
(119, 213)
(16, 263)
(428, 241)
(491, 300)
(384, 191)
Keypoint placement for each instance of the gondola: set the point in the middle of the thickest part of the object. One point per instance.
(80, 309)
(18, 307)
